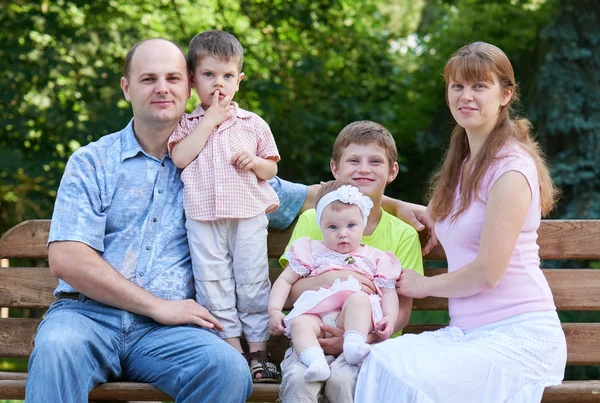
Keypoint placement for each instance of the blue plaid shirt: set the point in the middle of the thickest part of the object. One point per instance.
(128, 205)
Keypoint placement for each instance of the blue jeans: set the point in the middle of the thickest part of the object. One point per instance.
(82, 343)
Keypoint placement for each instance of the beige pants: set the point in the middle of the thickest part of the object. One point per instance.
(339, 388)
(231, 273)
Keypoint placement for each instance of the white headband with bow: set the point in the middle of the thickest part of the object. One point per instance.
(346, 194)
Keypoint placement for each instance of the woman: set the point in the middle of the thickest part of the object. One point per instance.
(505, 342)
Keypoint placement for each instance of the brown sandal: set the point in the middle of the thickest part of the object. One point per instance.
(264, 366)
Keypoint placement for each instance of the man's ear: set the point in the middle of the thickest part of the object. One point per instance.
(393, 172)
(334, 170)
(125, 87)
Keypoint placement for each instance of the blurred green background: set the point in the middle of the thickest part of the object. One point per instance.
(312, 67)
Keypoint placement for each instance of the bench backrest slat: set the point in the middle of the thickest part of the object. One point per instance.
(26, 287)
(559, 239)
(573, 289)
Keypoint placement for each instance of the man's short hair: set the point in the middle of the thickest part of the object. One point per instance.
(219, 44)
(365, 132)
(129, 57)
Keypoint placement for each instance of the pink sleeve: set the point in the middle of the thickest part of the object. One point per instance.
(181, 131)
(388, 270)
(266, 147)
(299, 256)
(516, 160)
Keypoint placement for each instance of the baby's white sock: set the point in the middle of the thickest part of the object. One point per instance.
(314, 359)
(355, 347)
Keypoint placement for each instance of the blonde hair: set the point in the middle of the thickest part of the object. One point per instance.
(480, 61)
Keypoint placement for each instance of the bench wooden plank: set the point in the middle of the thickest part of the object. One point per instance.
(586, 391)
(573, 289)
(26, 240)
(558, 239)
(26, 287)
(17, 334)
(573, 392)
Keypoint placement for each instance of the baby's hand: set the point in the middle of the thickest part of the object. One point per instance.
(244, 160)
(276, 322)
(385, 327)
(218, 112)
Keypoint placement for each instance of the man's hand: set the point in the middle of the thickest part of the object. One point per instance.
(333, 345)
(276, 322)
(412, 284)
(244, 160)
(218, 112)
(417, 216)
(385, 327)
(184, 312)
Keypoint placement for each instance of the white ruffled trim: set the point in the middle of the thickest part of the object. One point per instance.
(310, 299)
(295, 265)
(385, 283)
(356, 263)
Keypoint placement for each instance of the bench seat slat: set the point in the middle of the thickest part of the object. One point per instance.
(12, 387)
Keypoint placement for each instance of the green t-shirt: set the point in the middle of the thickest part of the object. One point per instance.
(391, 235)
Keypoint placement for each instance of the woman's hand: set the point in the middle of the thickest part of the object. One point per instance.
(412, 284)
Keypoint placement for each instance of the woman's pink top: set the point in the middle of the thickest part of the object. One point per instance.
(524, 287)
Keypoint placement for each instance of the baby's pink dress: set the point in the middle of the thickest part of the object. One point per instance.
(310, 258)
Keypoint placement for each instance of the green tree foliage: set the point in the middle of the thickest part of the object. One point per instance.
(446, 26)
(567, 108)
(312, 67)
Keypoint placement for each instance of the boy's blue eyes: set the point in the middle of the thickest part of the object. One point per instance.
(211, 74)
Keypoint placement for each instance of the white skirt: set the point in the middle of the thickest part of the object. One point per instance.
(327, 302)
(512, 360)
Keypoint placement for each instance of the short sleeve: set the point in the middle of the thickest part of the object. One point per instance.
(266, 147)
(305, 227)
(517, 161)
(388, 270)
(291, 199)
(299, 256)
(79, 214)
(181, 131)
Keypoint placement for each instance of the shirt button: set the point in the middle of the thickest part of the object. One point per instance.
(160, 191)
(147, 248)
(155, 219)
(142, 274)
(162, 163)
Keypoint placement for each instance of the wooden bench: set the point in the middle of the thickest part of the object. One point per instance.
(574, 290)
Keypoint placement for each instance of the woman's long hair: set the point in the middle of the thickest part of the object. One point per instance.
(480, 61)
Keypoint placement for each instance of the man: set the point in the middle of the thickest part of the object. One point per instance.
(118, 244)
